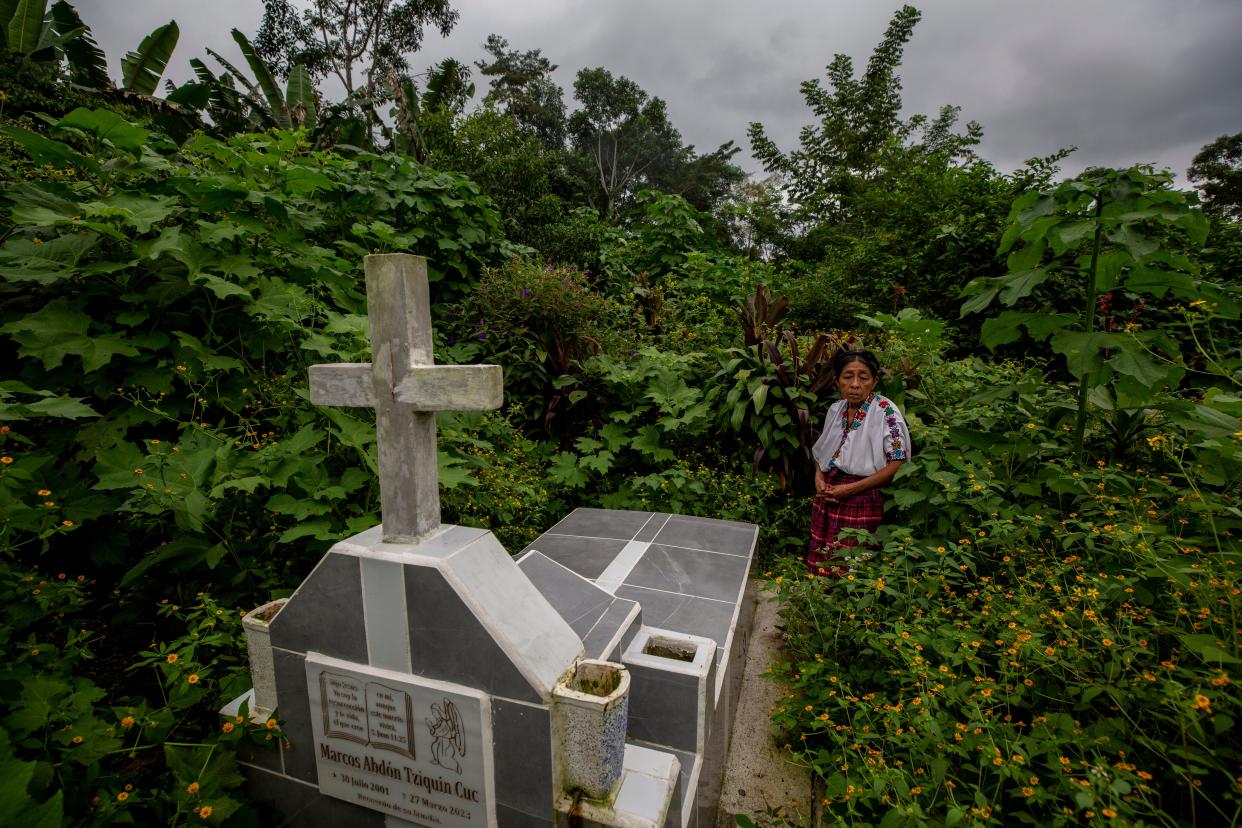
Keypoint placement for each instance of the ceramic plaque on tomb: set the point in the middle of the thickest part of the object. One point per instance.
(413, 748)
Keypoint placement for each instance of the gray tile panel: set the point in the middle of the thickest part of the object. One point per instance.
(602, 523)
(690, 571)
(605, 630)
(664, 707)
(294, 714)
(724, 536)
(628, 635)
(574, 598)
(304, 807)
(653, 527)
(447, 642)
(522, 736)
(682, 613)
(587, 556)
(325, 614)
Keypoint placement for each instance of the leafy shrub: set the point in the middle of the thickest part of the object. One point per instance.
(542, 322)
(159, 306)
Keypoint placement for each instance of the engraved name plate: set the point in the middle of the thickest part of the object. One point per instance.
(414, 748)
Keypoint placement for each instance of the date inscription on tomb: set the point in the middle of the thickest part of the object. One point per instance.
(414, 748)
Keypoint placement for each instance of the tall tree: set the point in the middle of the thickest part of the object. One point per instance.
(362, 43)
(522, 86)
(623, 134)
(1217, 170)
(622, 141)
(859, 123)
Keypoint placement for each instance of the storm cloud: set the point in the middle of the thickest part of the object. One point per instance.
(1126, 81)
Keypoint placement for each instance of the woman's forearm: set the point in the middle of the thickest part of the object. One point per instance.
(874, 481)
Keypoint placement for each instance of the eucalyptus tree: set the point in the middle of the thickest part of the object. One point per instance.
(362, 43)
(622, 141)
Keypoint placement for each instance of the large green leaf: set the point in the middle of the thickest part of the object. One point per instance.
(1157, 282)
(1020, 284)
(253, 95)
(7, 8)
(46, 262)
(1006, 328)
(136, 211)
(1133, 240)
(271, 91)
(45, 150)
(300, 97)
(981, 292)
(141, 70)
(17, 806)
(1068, 234)
(26, 26)
(1132, 360)
(1084, 352)
(60, 330)
(87, 62)
(107, 126)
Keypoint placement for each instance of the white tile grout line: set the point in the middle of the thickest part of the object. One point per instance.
(670, 592)
(616, 573)
(644, 526)
(622, 540)
(601, 618)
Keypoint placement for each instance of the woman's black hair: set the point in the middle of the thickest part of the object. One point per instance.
(844, 358)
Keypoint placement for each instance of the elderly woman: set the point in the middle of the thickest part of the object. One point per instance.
(864, 442)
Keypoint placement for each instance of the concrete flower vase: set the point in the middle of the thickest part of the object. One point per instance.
(590, 707)
(259, 645)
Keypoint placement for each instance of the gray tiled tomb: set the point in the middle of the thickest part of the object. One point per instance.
(604, 622)
(686, 573)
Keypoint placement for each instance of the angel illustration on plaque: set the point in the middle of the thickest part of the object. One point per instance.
(448, 742)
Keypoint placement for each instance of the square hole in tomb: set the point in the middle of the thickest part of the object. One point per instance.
(670, 648)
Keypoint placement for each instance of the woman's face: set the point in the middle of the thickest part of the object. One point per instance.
(856, 382)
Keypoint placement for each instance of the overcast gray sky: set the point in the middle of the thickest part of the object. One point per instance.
(1126, 81)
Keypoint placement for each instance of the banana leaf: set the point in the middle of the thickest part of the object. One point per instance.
(141, 70)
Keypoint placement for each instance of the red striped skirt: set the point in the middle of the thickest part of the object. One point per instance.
(862, 511)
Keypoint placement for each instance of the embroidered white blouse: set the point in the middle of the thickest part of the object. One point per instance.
(880, 436)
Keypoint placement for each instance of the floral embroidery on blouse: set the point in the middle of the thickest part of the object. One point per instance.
(856, 423)
(896, 450)
(851, 424)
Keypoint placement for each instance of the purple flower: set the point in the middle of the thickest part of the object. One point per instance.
(481, 336)
(452, 340)
(525, 293)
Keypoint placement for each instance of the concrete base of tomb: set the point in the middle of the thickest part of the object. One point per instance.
(648, 795)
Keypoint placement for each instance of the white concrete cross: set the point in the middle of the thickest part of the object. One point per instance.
(405, 388)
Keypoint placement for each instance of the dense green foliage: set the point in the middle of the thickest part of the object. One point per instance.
(1036, 640)
(1047, 630)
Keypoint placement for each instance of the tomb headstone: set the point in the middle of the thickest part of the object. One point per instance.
(416, 669)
